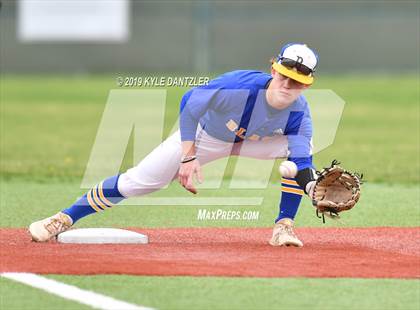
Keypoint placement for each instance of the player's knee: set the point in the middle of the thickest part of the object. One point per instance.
(131, 187)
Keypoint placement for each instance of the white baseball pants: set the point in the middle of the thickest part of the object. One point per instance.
(161, 166)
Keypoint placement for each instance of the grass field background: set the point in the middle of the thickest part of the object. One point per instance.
(48, 126)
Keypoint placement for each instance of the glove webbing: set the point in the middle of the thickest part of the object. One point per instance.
(332, 213)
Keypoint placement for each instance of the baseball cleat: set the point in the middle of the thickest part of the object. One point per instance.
(50, 227)
(283, 234)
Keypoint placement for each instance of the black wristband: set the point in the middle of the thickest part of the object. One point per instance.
(187, 159)
(305, 176)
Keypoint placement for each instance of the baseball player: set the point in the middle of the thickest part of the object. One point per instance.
(243, 113)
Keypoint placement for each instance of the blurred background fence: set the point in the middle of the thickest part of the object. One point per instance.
(210, 36)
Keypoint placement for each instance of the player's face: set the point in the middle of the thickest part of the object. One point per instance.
(283, 91)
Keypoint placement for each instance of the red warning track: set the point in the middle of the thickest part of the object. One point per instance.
(359, 252)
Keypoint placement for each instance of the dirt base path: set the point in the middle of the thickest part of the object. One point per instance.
(360, 252)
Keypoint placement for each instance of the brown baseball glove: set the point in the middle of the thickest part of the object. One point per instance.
(336, 190)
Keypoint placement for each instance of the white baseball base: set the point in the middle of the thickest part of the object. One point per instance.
(102, 236)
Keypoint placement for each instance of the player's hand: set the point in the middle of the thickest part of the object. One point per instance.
(186, 174)
(310, 189)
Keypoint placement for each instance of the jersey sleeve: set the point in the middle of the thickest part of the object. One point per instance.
(196, 102)
(193, 106)
(299, 135)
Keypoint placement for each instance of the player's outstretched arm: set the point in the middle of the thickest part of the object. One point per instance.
(189, 167)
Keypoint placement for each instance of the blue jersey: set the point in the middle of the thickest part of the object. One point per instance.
(233, 108)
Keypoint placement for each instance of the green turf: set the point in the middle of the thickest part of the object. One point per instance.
(254, 293)
(48, 126)
(224, 293)
(381, 205)
(17, 296)
(48, 129)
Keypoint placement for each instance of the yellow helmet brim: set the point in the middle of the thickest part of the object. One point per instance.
(293, 74)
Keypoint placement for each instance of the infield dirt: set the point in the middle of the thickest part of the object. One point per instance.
(380, 252)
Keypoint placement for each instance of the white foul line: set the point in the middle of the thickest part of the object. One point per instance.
(66, 291)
